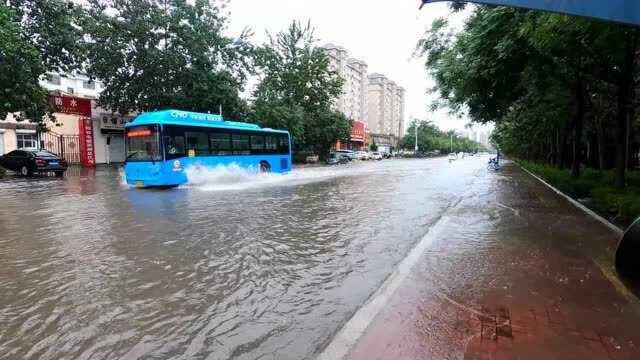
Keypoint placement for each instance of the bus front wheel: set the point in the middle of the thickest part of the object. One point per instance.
(265, 167)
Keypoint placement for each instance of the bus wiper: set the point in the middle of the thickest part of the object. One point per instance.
(133, 153)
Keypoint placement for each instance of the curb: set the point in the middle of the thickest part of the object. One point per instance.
(343, 342)
(575, 203)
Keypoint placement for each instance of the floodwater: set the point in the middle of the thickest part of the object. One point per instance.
(232, 265)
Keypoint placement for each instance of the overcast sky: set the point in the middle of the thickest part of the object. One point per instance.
(381, 32)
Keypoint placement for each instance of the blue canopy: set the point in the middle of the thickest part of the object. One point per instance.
(622, 11)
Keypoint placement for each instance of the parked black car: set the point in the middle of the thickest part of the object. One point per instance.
(28, 162)
(338, 158)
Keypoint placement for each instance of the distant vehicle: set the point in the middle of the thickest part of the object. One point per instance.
(348, 153)
(493, 164)
(312, 159)
(161, 145)
(362, 155)
(453, 157)
(376, 156)
(28, 162)
(338, 159)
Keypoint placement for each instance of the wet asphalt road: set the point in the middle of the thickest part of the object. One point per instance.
(512, 271)
(230, 266)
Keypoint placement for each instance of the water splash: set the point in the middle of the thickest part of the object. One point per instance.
(234, 177)
(123, 177)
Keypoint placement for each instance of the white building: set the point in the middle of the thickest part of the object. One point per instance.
(63, 137)
(398, 112)
(386, 106)
(354, 98)
(73, 84)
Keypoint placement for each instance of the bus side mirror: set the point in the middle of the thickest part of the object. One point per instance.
(108, 140)
(628, 252)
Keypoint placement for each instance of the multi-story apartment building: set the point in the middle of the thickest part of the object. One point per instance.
(398, 112)
(354, 98)
(386, 106)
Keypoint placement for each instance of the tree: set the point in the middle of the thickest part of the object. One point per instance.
(36, 37)
(431, 138)
(373, 146)
(542, 78)
(154, 55)
(299, 88)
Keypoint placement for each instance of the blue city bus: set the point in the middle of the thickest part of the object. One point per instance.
(161, 145)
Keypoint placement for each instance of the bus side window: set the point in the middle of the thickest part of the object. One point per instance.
(257, 144)
(198, 141)
(271, 144)
(174, 146)
(220, 143)
(283, 144)
(240, 144)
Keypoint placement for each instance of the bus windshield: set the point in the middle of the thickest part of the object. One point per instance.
(143, 143)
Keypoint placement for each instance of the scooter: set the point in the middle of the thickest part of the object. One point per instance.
(628, 252)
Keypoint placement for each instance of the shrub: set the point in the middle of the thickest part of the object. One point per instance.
(599, 185)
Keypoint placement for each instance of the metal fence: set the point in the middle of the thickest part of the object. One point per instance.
(66, 146)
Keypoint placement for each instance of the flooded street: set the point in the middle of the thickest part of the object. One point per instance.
(231, 265)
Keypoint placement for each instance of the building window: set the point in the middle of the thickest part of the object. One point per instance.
(70, 90)
(27, 141)
(53, 79)
(88, 84)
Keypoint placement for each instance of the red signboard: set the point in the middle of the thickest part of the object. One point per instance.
(87, 148)
(358, 131)
(71, 105)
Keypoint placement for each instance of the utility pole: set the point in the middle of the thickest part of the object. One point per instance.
(451, 141)
(416, 131)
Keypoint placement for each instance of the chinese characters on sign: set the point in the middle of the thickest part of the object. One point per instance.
(87, 151)
(79, 106)
(71, 105)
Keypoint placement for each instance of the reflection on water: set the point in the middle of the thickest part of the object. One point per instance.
(230, 265)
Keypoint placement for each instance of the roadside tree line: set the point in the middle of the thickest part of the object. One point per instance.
(431, 138)
(160, 54)
(561, 90)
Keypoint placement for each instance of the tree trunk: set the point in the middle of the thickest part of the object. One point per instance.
(601, 144)
(624, 99)
(577, 128)
(630, 118)
(562, 149)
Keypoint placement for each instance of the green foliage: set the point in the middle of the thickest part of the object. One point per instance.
(297, 89)
(36, 37)
(373, 146)
(431, 138)
(540, 77)
(154, 55)
(624, 205)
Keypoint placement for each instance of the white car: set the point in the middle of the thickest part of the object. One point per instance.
(376, 156)
(453, 157)
(362, 155)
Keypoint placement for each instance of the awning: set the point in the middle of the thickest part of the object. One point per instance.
(622, 11)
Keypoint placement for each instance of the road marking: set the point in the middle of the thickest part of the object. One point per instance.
(576, 203)
(350, 333)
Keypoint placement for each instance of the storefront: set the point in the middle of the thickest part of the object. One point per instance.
(358, 140)
(109, 139)
(71, 135)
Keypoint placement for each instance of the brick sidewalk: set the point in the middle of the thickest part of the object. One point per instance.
(518, 273)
